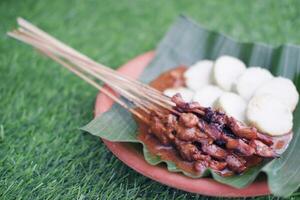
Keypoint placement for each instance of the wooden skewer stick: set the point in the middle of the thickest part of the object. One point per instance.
(96, 85)
(141, 95)
(114, 79)
(31, 28)
(44, 49)
(146, 92)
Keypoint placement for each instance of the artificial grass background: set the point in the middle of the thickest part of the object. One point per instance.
(43, 155)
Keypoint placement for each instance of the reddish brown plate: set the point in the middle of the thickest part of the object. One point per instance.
(135, 160)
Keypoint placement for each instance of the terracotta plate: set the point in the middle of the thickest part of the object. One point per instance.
(135, 160)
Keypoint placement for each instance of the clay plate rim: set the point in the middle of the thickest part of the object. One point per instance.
(135, 160)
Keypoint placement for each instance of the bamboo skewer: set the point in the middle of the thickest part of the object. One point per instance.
(115, 78)
(93, 83)
(85, 68)
(155, 95)
(139, 94)
(128, 95)
(31, 28)
(149, 93)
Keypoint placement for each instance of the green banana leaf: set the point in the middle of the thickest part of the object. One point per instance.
(185, 43)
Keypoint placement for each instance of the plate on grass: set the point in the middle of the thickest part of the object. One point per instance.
(134, 158)
(185, 43)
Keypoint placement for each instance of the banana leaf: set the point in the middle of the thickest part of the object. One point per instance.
(187, 42)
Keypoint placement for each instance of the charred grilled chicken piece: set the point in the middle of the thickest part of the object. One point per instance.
(210, 139)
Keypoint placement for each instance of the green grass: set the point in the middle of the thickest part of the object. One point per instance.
(43, 155)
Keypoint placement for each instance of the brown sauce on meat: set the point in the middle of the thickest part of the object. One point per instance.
(174, 78)
(165, 152)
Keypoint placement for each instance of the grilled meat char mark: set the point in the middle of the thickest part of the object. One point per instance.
(207, 146)
(191, 143)
(184, 141)
(224, 128)
(209, 138)
(185, 138)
